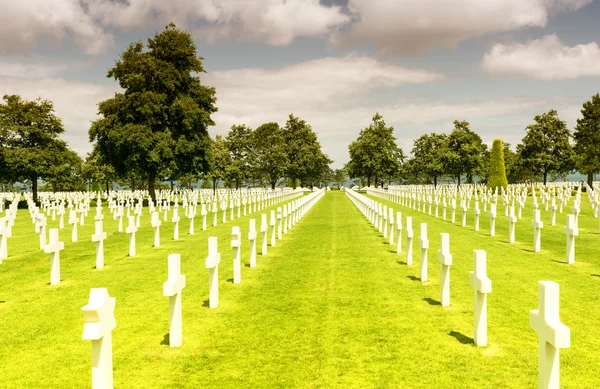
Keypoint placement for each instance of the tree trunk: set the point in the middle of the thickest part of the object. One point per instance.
(214, 185)
(458, 179)
(273, 183)
(435, 181)
(368, 181)
(34, 188)
(590, 179)
(545, 178)
(107, 186)
(151, 182)
(171, 184)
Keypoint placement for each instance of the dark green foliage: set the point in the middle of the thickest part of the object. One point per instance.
(497, 172)
(219, 161)
(465, 151)
(587, 138)
(159, 124)
(270, 151)
(545, 149)
(374, 155)
(429, 152)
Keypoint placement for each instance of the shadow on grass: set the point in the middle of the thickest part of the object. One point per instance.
(401, 262)
(230, 280)
(529, 250)
(413, 278)
(557, 261)
(166, 340)
(431, 301)
(392, 251)
(463, 339)
(2, 301)
(247, 265)
(593, 275)
(205, 303)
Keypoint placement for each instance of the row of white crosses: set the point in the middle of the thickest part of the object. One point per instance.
(571, 229)
(99, 313)
(552, 334)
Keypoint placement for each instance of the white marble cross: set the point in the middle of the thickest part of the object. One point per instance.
(424, 243)
(492, 219)
(553, 208)
(54, 247)
(41, 224)
(175, 219)
(273, 226)
(512, 220)
(279, 223)
(192, 216)
(537, 225)
(482, 285)
(453, 206)
(385, 221)
(463, 207)
(99, 238)
(252, 239)
(155, 222)
(212, 264)
(445, 259)
(264, 232)
(552, 335)
(203, 212)
(571, 231)
(391, 223)
(131, 230)
(172, 288)
(4, 222)
(399, 232)
(409, 239)
(236, 245)
(99, 316)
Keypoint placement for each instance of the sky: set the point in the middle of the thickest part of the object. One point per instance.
(334, 63)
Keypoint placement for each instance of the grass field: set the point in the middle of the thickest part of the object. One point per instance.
(332, 305)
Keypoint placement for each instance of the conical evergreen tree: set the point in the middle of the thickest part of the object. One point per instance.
(497, 176)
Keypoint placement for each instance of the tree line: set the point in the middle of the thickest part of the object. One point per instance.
(549, 150)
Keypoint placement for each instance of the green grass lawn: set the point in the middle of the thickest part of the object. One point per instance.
(332, 305)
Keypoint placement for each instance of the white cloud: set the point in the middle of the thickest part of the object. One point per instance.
(74, 102)
(407, 27)
(543, 59)
(23, 24)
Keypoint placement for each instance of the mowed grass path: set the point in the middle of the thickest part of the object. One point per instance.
(331, 306)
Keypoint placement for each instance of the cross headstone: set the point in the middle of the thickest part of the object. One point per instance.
(175, 219)
(424, 243)
(236, 243)
(172, 288)
(552, 335)
(131, 230)
(512, 220)
(492, 219)
(571, 231)
(477, 213)
(203, 212)
(264, 231)
(409, 238)
(41, 224)
(155, 222)
(73, 221)
(273, 226)
(391, 222)
(537, 225)
(54, 247)
(99, 316)
(99, 238)
(445, 259)
(252, 239)
(212, 264)
(4, 222)
(482, 285)
(279, 223)
(399, 232)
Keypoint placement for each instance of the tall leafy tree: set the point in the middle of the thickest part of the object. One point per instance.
(465, 151)
(428, 155)
(29, 132)
(546, 149)
(270, 153)
(587, 139)
(308, 163)
(339, 176)
(239, 144)
(94, 169)
(219, 161)
(497, 169)
(374, 155)
(160, 122)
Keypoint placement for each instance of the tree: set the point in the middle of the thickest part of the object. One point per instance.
(160, 122)
(29, 132)
(465, 149)
(497, 172)
(219, 160)
(587, 139)
(94, 169)
(239, 144)
(271, 156)
(308, 163)
(64, 172)
(428, 155)
(339, 176)
(545, 149)
(375, 154)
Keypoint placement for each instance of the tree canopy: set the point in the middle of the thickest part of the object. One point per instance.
(160, 122)
(587, 138)
(429, 151)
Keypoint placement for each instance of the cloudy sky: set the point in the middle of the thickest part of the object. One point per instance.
(334, 63)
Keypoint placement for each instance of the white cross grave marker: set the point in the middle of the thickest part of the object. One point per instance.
(156, 225)
(537, 225)
(571, 231)
(264, 231)
(482, 285)
(175, 219)
(172, 288)
(409, 238)
(99, 316)
(236, 243)
(445, 259)
(552, 335)
(252, 239)
(424, 243)
(399, 232)
(131, 230)
(212, 264)
(99, 238)
(54, 247)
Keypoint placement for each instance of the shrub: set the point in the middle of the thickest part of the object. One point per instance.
(497, 176)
